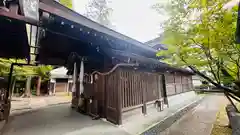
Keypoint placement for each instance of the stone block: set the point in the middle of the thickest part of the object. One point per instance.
(234, 119)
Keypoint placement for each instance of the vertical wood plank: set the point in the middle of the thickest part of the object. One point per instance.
(123, 87)
(138, 89)
(135, 86)
(119, 97)
(144, 109)
(132, 82)
(127, 88)
(131, 90)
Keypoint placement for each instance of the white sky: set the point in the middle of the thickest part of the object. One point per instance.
(134, 18)
(231, 4)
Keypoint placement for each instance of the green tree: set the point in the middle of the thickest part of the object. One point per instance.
(43, 73)
(24, 72)
(200, 35)
(19, 72)
(99, 11)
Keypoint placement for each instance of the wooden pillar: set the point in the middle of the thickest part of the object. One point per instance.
(191, 79)
(74, 96)
(181, 83)
(164, 89)
(175, 86)
(159, 86)
(54, 87)
(81, 75)
(80, 88)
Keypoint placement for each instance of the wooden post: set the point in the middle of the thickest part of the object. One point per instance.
(39, 85)
(119, 98)
(144, 108)
(159, 87)
(164, 89)
(191, 83)
(175, 86)
(54, 88)
(74, 77)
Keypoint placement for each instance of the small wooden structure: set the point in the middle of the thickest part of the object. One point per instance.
(60, 81)
(120, 74)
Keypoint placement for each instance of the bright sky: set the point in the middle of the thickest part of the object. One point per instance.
(231, 4)
(134, 18)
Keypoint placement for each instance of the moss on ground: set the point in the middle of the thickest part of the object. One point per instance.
(220, 126)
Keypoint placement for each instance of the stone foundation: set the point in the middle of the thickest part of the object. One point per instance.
(234, 119)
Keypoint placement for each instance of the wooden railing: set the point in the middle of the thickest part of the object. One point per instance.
(139, 88)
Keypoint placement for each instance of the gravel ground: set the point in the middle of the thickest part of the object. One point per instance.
(220, 126)
(200, 120)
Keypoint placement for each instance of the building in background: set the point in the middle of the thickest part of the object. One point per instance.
(60, 81)
(156, 44)
(196, 81)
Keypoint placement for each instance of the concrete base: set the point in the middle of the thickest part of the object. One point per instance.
(180, 98)
(2, 124)
(168, 121)
(234, 119)
(137, 124)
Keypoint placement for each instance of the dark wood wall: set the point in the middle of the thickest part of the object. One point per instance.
(178, 83)
(125, 89)
(138, 88)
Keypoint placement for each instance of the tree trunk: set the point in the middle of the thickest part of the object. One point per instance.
(39, 85)
(28, 87)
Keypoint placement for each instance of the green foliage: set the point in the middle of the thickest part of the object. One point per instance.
(21, 72)
(43, 71)
(201, 34)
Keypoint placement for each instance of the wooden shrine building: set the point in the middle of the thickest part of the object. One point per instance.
(115, 73)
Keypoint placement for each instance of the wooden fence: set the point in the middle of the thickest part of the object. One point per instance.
(126, 89)
(178, 83)
(138, 88)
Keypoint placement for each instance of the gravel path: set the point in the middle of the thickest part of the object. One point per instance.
(198, 121)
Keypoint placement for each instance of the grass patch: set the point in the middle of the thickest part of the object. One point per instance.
(220, 126)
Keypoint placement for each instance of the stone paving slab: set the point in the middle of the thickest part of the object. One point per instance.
(145, 122)
(62, 120)
(21, 105)
(59, 120)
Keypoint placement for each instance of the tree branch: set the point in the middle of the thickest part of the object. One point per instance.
(209, 58)
(214, 83)
(227, 95)
(235, 98)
